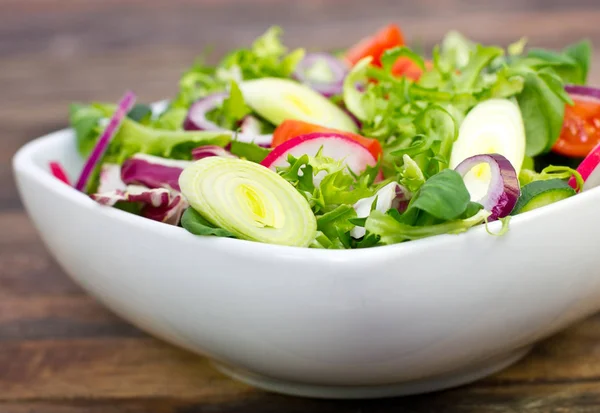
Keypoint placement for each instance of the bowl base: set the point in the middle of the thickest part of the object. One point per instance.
(431, 384)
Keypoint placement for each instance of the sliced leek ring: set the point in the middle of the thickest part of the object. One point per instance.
(250, 201)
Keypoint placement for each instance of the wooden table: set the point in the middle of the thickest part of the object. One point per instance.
(61, 352)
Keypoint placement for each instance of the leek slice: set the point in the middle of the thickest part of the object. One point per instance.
(248, 200)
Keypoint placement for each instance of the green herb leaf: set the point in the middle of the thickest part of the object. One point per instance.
(443, 196)
(140, 113)
(581, 52)
(543, 113)
(571, 65)
(234, 107)
(335, 223)
(193, 222)
(411, 176)
(249, 151)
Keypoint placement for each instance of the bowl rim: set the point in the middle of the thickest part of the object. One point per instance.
(24, 165)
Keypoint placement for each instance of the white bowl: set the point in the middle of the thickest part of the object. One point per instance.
(386, 321)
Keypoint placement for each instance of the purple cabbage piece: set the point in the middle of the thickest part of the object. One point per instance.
(155, 197)
(110, 178)
(164, 204)
(152, 171)
(159, 204)
(170, 213)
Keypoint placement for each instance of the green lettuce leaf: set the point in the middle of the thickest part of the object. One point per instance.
(233, 109)
(266, 58)
(572, 64)
(391, 231)
(336, 224)
(85, 121)
(335, 184)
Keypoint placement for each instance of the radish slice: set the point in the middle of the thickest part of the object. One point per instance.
(589, 170)
(503, 190)
(59, 172)
(335, 146)
(391, 196)
(111, 130)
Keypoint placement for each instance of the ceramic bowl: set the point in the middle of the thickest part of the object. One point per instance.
(402, 319)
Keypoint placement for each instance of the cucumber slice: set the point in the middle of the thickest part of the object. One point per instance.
(541, 193)
(493, 126)
(279, 99)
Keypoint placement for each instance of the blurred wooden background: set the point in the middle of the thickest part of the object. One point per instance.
(55, 51)
(60, 351)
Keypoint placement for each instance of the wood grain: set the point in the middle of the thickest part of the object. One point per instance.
(62, 352)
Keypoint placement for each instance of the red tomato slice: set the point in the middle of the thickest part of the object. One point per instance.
(581, 128)
(386, 38)
(404, 66)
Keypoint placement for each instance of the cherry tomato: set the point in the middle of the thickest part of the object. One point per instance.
(388, 37)
(581, 128)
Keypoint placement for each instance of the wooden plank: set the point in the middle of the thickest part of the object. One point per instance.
(574, 398)
(144, 367)
(26, 267)
(60, 317)
(116, 368)
(313, 24)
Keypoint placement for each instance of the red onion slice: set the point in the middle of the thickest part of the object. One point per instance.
(250, 132)
(196, 117)
(210, 150)
(111, 130)
(583, 91)
(336, 69)
(503, 190)
(196, 120)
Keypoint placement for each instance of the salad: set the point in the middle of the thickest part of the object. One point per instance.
(373, 145)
